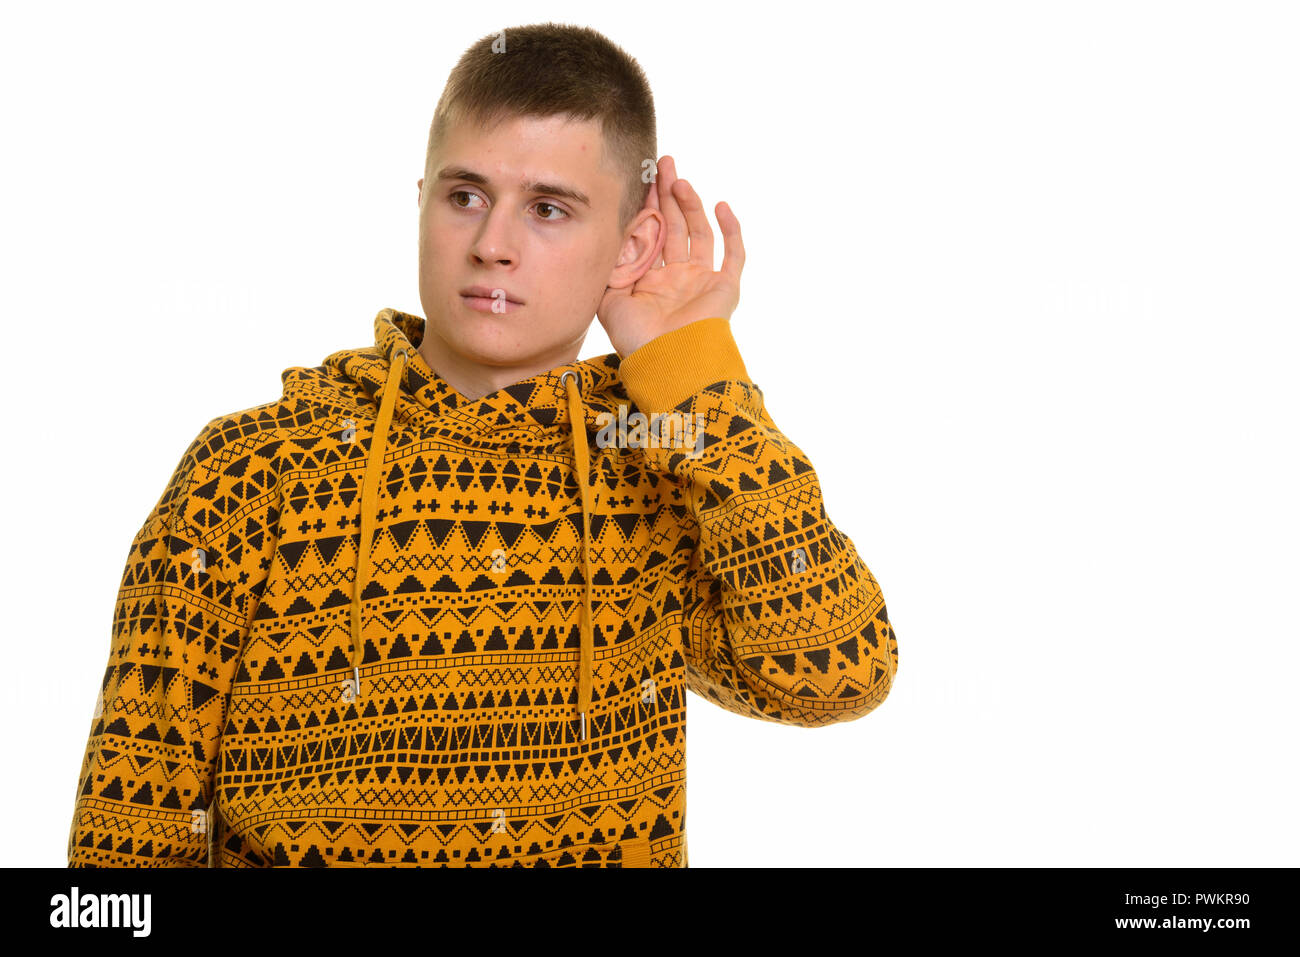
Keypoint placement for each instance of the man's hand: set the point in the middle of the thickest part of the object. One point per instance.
(683, 287)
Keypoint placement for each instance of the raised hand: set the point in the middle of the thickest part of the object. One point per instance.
(683, 287)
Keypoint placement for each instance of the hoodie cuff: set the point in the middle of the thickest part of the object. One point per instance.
(676, 365)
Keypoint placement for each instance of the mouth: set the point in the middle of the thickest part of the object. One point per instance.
(492, 294)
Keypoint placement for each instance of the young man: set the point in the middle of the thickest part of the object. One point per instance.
(441, 602)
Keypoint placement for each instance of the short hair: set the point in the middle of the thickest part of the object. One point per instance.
(550, 69)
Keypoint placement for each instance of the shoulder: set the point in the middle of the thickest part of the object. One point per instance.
(231, 469)
(315, 401)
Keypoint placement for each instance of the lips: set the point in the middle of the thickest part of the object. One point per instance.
(490, 292)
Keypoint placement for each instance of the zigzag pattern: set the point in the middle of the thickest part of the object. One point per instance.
(228, 735)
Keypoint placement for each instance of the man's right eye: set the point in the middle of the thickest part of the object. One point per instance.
(461, 192)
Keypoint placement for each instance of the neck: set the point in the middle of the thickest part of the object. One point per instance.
(473, 380)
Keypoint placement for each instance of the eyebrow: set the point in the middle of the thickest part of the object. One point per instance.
(550, 189)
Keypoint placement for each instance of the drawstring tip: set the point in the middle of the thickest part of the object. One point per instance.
(582, 724)
(356, 677)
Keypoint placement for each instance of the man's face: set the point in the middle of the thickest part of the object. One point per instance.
(495, 212)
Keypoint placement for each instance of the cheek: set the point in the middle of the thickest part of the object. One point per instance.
(439, 231)
(589, 263)
(439, 251)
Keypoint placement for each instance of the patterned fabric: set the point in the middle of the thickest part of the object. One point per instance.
(233, 731)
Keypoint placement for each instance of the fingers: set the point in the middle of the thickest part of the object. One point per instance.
(652, 202)
(676, 248)
(698, 223)
(733, 247)
(689, 236)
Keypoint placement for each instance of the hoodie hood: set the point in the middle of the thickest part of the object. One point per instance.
(387, 396)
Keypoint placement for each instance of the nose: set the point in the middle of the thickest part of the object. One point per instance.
(494, 243)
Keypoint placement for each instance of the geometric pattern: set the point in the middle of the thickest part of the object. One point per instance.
(228, 733)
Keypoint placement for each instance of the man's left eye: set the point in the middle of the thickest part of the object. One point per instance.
(554, 207)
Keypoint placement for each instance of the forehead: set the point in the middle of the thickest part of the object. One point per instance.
(520, 149)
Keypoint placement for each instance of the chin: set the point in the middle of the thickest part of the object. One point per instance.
(482, 338)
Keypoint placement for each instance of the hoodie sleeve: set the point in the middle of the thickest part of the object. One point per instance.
(187, 594)
(784, 621)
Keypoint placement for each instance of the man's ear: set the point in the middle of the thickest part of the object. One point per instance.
(419, 186)
(643, 247)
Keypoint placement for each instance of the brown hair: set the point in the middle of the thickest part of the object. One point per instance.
(548, 69)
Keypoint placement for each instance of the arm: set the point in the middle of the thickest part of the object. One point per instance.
(181, 619)
(784, 621)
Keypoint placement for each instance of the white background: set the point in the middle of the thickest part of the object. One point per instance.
(1021, 281)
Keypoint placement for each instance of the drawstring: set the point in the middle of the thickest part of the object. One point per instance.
(369, 495)
(369, 501)
(578, 422)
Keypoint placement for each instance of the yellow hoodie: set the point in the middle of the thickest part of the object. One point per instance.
(374, 623)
